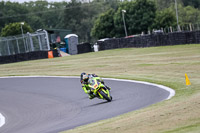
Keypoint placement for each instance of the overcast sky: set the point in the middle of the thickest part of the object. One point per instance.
(21, 1)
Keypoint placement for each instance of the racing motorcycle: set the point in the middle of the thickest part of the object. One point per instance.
(99, 89)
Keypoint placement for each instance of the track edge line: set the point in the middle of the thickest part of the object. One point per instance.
(2, 120)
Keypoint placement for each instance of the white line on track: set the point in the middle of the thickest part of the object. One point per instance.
(171, 91)
(2, 120)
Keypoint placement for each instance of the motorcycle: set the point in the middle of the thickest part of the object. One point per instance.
(99, 89)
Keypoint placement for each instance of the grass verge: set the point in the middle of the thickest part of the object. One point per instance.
(162, 65)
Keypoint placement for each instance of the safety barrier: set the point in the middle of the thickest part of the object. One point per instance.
(84, 48)
(162, 39)
(24, 57)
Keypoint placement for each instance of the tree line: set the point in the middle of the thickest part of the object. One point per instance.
(96, 19)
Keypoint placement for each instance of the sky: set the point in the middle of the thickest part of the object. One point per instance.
(21, 1)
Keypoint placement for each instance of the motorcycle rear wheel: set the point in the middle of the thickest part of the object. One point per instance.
(105, 96)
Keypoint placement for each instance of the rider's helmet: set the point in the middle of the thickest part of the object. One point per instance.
(84, 77)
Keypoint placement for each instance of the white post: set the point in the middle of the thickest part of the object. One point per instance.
(124, 11)
(22, 23)
(178, 27)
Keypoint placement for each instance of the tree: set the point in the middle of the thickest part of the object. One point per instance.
(79, 17)
(112, 3)
(163, 4)
(139, 17)
(11, 12)
(73, 16)
(193, 3)
(164, 19)
(104, 25)
(189, 15)
(39, 14)
(118, 20)
(15, 29)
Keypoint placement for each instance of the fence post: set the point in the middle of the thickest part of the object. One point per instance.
(190, 26)
(171, 29)
(31, 41)
(17, 44)
(47, 39)
(25, 49)
(8, 48)
(39, 40)
(0, 49)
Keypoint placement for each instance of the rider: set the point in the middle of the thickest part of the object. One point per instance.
(84, 81)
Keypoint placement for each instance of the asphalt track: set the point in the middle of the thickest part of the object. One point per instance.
(53, 104)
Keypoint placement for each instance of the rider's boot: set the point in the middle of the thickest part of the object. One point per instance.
(91, 96)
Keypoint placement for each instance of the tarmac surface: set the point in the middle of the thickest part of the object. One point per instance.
(54, 104)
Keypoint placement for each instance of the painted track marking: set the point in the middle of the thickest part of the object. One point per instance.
(2, 120)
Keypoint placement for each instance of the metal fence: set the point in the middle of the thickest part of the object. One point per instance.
(29, 42)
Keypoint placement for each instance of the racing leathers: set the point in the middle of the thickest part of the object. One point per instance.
(87, 89)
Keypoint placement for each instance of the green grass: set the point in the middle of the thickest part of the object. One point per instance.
(188, 128)
(162, 65)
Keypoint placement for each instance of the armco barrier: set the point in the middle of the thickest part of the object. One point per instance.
(27, 56)
(84, 48)
(24, 57)
(152, 40)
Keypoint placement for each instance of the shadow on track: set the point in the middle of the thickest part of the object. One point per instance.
(105, 102)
